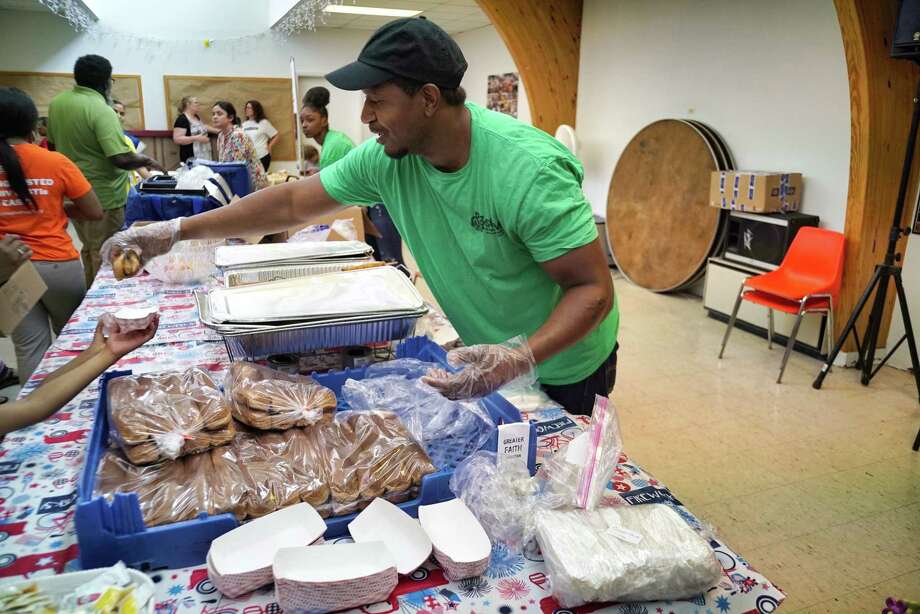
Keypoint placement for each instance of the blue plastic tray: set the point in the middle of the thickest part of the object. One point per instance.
(236, 174)
(109, 532)
(161, 207)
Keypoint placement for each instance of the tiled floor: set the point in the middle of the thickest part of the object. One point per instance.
(819, 490)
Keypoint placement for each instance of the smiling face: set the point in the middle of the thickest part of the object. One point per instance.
(397, 118)
(312, 122)
(220, 119)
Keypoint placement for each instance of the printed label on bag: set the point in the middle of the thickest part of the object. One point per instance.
(513, 444)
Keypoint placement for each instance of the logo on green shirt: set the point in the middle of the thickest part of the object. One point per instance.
(486, 224)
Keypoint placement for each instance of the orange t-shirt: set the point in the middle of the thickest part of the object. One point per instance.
(50, 176)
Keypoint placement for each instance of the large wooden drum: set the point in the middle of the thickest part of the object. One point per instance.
(659, 222)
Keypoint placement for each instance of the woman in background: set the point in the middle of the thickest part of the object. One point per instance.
(234, 145)
(314, 119)
(260, 130)
(190, 133)
(38, 217)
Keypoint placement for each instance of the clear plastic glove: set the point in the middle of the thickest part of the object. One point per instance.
(486, 368)
(145, 242)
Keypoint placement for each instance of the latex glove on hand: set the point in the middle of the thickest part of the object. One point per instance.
(486, 368)
(129, 250)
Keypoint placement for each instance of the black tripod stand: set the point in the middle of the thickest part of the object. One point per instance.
(888, 271)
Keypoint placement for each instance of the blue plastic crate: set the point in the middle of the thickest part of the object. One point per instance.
(236, 174)
(109, 532)
(147, 207)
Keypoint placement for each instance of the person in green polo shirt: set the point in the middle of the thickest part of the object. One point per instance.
(491, 208)
(83, 127)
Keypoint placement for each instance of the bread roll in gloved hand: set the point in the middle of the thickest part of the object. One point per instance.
(129, 250)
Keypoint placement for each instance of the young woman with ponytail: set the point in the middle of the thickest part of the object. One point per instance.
(33, 185)
(314, 119)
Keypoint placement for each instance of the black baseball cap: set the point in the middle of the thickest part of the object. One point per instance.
(413, 48)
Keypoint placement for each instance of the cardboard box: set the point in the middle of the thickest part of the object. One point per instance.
(18, 295)
(356, 215)
(756, 191)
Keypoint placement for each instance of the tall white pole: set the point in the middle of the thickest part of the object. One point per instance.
(296, 101)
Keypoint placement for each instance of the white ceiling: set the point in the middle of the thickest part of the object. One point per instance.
(453, 15)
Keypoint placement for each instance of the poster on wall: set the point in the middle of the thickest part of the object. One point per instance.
(502, 94)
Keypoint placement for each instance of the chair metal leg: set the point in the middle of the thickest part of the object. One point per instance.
(769, 328)
(791, 342)
(731, 320)
(829, 333)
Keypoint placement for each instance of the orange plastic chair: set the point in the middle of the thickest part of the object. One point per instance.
(807, 281)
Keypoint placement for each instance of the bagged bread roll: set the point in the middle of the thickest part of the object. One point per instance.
(337, 466)
(150, 451)
(165, 416)
(270, 400)
(371, 454)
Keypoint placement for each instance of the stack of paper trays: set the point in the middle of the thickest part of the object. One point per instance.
(333, 577)
(241, 561)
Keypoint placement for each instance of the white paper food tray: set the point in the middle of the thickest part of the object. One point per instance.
(253, 545)
(402, 534)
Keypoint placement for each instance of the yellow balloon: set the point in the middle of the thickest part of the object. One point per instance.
(207, 42)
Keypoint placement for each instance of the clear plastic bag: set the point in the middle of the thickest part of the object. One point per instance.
(271, 400)
(193, 178)
(577, 475)
(368, 455)
(167, 415)
(630, 553)
(188, 262)
(338, 467)
(449, 430)
(504, 500)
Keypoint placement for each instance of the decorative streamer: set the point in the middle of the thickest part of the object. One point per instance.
(75, 12)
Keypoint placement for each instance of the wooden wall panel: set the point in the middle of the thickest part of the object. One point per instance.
(273, 92)
(43, 86)
(881, 91)
(544, 39)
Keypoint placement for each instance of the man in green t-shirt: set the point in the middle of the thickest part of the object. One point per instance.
(83, 127)
(492, 210)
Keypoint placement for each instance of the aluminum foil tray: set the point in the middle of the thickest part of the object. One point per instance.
(307, 339)
(382, 291)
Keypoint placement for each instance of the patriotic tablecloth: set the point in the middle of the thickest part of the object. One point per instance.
(40, 465)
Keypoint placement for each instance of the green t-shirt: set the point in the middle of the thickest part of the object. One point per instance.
(479, 234)
(335, 146)
(85, 129)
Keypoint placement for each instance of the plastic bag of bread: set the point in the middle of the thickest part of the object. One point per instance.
(371, 454)
(449, 430)
(167, 492)
(270, 400)
(164, 416)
